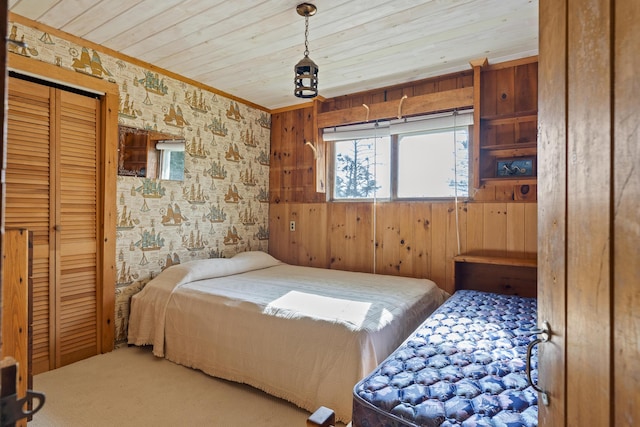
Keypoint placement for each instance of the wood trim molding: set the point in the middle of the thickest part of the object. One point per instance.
(512, 63)
(108, 164)
(299, 106)
(432, 102)
(477, 65)
(321, 150)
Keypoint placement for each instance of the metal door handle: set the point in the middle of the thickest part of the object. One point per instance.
(12, 407)
(544, 335)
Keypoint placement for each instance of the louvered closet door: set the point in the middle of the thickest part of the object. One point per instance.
(28, 197)
(76, 243)
(51, 189)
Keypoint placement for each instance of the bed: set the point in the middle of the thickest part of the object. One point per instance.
(304, 334)
(464, 366)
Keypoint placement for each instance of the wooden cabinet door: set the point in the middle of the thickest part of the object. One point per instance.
(52, 190)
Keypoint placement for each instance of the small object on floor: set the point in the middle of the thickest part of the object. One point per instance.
(322, 417)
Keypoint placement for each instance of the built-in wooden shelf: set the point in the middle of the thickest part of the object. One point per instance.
(516, 146)
(504, 273)
(506, 116)
(518, 261)
(510, 181)
(519, 116)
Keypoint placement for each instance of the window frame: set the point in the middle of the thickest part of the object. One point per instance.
(393, 160)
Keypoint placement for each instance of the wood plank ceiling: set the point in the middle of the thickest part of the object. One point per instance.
(249, 48)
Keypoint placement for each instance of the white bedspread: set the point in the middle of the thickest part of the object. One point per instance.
(304, 334)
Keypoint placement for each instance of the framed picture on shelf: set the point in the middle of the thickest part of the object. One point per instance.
(515, 167)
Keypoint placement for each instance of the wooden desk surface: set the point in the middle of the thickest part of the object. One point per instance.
(518, 261)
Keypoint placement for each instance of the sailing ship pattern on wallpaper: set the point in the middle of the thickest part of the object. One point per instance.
(233, 154)
(216, 213)
(217, 170)
(194, 242)
(46, 38)
(150, 240)
(169, 261)
(263, 233)
(195, 148)
(248, 217)
(195, 195)
(23, 49)
(248, 138)
(247, 177)
(232, 196)
(128, 110)
(173, 216)
(232, 237)
(145, 207)
(262, 196)
(263, 158)
(197, 103)
(216, 253)
(264, 120)
(124, 220)
(89, 64)
(152, 83)
(124, 275)
(233, 112)
(151, 189)
(217, 126)
(175, 117)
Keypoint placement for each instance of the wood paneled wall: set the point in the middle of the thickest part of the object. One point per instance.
(395, 93)
(416, 239)
(589, 261)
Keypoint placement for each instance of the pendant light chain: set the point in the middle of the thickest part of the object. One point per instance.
(306, 35)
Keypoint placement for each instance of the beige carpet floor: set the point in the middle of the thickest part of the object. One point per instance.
(131, 387)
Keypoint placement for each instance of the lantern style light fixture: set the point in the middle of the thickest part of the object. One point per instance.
(306, 79)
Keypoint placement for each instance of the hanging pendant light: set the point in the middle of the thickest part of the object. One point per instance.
(306, 79)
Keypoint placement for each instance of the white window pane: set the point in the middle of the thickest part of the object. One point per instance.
(172, 165)
(430, 164)
(362, 169)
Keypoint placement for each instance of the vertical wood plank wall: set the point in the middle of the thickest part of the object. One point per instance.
(552, 218)
(589, 227)
(416, 239)
(589, 209)
(15, 304)
(626, 226)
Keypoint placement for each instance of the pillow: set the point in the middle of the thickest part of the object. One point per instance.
(257, 259)
(191, 271)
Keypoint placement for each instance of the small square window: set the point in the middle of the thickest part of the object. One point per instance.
(172, 165)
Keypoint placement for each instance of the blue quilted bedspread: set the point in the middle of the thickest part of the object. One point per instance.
(464, 366)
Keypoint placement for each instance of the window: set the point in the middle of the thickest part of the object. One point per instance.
(429, 165)
(362, 168)
(424, 157)
(171, 160)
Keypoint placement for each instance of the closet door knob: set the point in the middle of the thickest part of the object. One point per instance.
(57, 227)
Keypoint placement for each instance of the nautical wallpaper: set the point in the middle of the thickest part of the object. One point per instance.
(221, 208)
